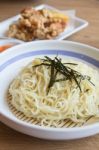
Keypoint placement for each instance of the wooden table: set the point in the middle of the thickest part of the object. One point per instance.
(86, 9)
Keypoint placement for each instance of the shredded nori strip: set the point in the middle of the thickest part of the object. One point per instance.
(56, 66)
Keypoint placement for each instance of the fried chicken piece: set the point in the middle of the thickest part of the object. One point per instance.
(37, 24)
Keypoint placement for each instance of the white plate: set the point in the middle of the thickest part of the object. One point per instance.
(75, 24)
(11, 63)
(10, 41)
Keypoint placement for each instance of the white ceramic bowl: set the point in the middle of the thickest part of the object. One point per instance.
(13, 60)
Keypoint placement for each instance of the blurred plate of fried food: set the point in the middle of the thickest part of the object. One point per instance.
(42, 22)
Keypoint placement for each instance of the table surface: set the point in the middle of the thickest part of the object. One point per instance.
(86, 9)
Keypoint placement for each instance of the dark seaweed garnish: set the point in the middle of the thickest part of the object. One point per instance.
(56, 66)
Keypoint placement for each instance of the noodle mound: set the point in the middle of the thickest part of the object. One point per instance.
(63, 101)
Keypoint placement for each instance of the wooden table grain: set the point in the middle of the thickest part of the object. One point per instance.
(86, 9)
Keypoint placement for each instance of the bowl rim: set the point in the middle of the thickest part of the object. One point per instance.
(32, 126)
(49, 41)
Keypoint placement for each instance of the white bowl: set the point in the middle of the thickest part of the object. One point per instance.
(11, 63)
